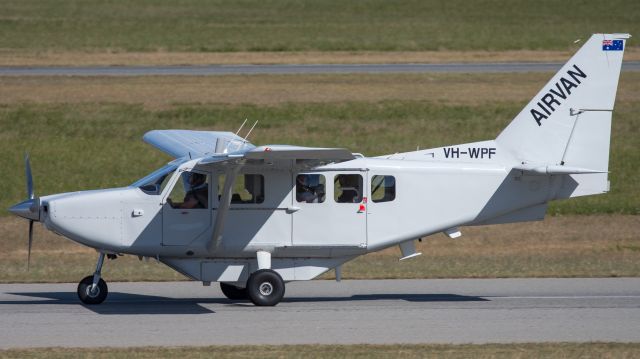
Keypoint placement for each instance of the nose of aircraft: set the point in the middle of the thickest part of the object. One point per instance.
(29, 209)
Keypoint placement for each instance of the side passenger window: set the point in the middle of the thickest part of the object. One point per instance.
(310, 188)
(247, 188)
(348, 189)
(383, 188)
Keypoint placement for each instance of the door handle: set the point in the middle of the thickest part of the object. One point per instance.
(137, 213)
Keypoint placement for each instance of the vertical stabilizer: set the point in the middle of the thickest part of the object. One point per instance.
(569, 121)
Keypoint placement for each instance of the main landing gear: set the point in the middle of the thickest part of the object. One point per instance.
(265, 287)
(93, 289)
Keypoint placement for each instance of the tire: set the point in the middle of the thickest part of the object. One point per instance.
(84, 291)
(265, 287)
(234, 293)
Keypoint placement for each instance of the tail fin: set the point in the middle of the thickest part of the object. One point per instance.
(568, 123)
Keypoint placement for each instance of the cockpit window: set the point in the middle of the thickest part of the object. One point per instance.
(155, 182)
(192, 192)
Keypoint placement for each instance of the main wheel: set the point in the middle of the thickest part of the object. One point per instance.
(234, 293)
(87, 296)
(265, 287)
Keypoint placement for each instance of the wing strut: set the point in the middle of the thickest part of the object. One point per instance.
(223, 209)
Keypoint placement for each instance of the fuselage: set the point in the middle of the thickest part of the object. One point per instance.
(433, 191)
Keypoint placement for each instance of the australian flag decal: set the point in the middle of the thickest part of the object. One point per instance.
(612, 45)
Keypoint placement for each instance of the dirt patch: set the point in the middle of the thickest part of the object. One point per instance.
(71, 58)
(161, 91)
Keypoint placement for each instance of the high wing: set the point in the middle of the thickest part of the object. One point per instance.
(285, 152)
(295, 155)
(196, 144)
(227, 148)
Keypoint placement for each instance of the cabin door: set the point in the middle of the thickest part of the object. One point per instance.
(186, 211)
(258, 216)
(331, 209)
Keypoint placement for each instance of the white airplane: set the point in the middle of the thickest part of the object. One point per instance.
(255, 217)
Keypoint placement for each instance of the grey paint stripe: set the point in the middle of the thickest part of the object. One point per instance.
(206, 70)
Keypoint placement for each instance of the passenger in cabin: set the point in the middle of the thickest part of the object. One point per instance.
(198, 194)
(310, 188)
(350, 187)
(304, 192)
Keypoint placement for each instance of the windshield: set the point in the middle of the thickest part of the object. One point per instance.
(155, 182)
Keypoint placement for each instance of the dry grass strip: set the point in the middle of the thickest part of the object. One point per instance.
(111, 58)
(160, 91)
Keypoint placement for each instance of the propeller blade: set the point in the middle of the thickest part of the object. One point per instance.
(27, 164)
(30, 243)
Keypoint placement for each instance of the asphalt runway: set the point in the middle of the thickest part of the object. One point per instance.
(208, 70)
(374, 311)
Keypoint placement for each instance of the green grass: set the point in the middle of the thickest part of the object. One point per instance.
(77, 147)
(250, 25)
(527, 350)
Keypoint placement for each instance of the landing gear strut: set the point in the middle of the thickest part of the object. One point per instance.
(93, 289)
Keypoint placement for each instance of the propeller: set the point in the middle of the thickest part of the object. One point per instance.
(30, 208)
(27, 165)
(30, 243)
(30, 195)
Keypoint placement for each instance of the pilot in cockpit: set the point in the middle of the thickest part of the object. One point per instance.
(198, 194)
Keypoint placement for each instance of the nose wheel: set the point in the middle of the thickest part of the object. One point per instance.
(93, 289)
(89, 294)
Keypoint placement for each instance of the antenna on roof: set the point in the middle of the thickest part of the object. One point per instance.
(241, 126)
(248, 133)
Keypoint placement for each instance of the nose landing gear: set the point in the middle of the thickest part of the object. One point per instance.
(93, 289)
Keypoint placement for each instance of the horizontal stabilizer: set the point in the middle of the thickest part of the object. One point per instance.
(554, 170)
